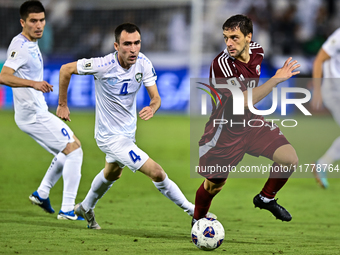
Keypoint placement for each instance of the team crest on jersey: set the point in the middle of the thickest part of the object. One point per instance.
(139, 77)
(88, 64)
(13, 54)
(258, 70)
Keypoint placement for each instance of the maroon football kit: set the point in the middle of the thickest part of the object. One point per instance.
(224, 144)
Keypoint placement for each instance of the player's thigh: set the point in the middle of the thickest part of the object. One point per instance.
(265, 140)
(50, 132)
(285, 155)
(218, 163)
(124, 152)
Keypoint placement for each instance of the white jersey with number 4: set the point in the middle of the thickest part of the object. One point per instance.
(24, 57)
(116, 90)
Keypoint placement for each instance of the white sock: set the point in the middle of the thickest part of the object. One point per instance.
(71, 177)
(52, 175)
(170, 190)
(265, 199)
(98, 188)
(332, 154)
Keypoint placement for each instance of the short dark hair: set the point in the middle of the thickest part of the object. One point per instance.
(239, 21)
(31, 6)
(128, 27)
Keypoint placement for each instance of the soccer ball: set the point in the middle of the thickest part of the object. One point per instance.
(207, 234)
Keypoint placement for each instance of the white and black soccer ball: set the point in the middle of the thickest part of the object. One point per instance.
(207, 234)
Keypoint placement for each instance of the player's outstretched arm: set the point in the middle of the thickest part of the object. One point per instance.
(284, 73)
(321, 57)
(65, 74)
(155, 102)
(8, 78)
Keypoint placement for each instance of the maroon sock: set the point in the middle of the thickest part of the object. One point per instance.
(202, 202)
(276, 180)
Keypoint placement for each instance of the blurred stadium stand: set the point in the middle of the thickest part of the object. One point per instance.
(181, 37)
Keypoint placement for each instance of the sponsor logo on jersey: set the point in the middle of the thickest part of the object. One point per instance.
(88, 65)
(13, 54)
(139, 77)
(258, 70)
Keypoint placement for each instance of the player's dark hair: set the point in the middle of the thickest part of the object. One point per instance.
(32, 6)
(128, 27)
(239, 21)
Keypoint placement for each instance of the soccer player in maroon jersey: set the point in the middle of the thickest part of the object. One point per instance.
(225, 145)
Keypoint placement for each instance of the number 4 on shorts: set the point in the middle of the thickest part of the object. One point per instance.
(134, 156)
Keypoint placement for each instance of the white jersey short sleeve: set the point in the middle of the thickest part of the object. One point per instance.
(24, 57)
(332, 48)
(116, 90)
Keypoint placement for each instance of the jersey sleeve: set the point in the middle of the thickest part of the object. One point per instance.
(94, 66)
(149, 76)
(332, 44)
(16, 58)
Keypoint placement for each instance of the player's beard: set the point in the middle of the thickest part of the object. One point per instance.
(241, 52)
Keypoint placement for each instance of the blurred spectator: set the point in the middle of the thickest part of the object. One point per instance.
(148, 37)
(306, 17)
(60, 13)
(321, 32)
(283, 31)
(108, 42)
(260, 14)
(282, 26)
(89, 44)
(178, 33)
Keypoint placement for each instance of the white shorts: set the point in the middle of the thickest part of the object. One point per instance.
(124, 152)
(50, 132)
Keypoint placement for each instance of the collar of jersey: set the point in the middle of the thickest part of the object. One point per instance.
(28, 40)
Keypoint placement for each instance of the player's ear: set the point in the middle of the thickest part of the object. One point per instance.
(248, 37)
(22, 22)
(116, 46)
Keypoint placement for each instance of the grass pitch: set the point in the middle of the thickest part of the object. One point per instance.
(137, 219)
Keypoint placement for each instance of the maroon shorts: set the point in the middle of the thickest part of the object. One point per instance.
(261, 141)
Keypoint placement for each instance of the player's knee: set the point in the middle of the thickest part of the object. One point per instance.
(213, 188)
(113, 175)
(77, 141)
(286, 156)
(157, 173)
(292, 160)
(70, 147)
(216, 190)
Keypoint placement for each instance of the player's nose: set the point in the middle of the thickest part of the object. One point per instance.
(229, 42)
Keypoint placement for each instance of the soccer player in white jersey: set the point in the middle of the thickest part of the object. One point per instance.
(23, 71)
(118, 77)
(327, 66)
